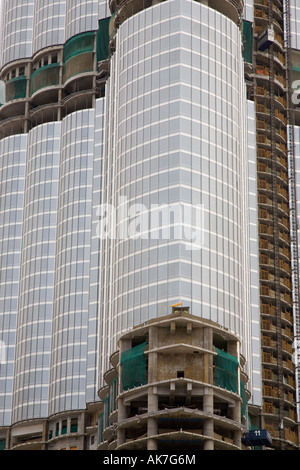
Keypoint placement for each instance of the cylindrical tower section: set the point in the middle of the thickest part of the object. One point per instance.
(81, 16)
(94, 315)
(33, 341)
(12, 170)
(49, 23)
(70, 315)
(17, 30)
(175, 171)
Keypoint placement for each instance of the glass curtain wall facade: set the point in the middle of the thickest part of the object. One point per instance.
(49, 194)
(176, 139)
(123, 190)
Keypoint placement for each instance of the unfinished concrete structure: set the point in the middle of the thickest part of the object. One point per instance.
(176, 380)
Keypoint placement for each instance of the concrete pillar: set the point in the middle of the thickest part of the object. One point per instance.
(236, 416)
(208, 424)
(152, 428)
(122, 414)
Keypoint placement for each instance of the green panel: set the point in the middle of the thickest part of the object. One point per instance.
(103, 39)
(106, 412)
(78, 44)
(134, 363)
(244, 400)
(113, 392)
(2, 444)
(15, 88)
(44, 76)
(247, 41)
(226, 367)
(100, 428)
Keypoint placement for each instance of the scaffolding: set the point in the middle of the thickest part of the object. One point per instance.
(293, 204)
(276, 229)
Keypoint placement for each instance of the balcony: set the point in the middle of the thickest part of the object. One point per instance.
(78, 57)
(46, 76)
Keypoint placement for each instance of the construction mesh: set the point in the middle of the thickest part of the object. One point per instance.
(244, 401)
(15, 88)
(103, 39)
(226, 367)
(113, 393)
(247, 41)
(44, 76)
(100, 427)
(79, 44)
(133, 362)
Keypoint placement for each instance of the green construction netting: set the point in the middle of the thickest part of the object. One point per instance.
(100, 428)
(244, 400)
(15, 88)
(247, 41)
(48, 75)
(133, 362)
(113, 393)
(226, 369)
(103, 35)
(78, 44)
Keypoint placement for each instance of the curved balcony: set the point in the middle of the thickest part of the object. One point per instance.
(78, 57)
(15, 88)
(43, 84)
(15, 98)
(233, 9)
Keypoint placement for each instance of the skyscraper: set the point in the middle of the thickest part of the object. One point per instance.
(147, 293)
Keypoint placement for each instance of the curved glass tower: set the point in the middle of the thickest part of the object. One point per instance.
(176, 171)
(136, 266)
(51, 125)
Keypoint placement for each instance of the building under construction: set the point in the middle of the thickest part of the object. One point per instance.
(173, 322)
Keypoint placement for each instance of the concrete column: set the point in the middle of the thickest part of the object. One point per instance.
(208, 424)
(7, 439)
(152, 431)
(122, 414)
(152, 428)
(236, 416)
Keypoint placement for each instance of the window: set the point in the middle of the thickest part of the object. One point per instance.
(64, 427)
(74, 424)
